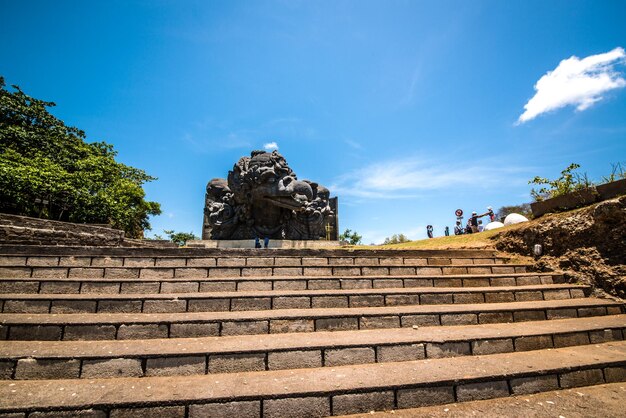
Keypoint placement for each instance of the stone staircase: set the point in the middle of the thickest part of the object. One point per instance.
(117, 332)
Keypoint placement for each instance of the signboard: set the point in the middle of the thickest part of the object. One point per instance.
(458, 212)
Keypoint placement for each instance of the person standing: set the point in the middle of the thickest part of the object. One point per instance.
(447, 231)
(458, 228)
(429, 231)
(473, 222)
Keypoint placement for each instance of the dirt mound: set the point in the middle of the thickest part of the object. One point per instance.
(588, 245)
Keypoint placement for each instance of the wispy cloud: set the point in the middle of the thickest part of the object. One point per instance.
(270, 146)
(576, 82)
(398, 179)
(354, 144)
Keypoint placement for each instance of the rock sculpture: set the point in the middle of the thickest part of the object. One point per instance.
(263, 197)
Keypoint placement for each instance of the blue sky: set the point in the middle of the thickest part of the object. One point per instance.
(407, 110)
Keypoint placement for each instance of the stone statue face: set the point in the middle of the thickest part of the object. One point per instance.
(263, 197)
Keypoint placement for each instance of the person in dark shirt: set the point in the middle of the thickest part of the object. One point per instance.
(429, 231)
(458, 228)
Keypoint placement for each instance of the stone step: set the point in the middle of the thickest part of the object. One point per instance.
(111, 326)
(232, 284)
(324, 391)
(234, 271)
(279, 299)
(22, 360)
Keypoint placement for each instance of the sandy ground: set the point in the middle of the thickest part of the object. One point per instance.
(605, 401)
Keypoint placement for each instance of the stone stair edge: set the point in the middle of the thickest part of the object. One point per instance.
(344, 387)
(95, 349)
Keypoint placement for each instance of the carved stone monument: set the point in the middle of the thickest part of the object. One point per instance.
(262, 197)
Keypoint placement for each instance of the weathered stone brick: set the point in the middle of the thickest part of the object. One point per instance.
(176, 366)
(329, 301)
(118, 273)
(19, 286)
(375, 271)
(581, 378)
(421, 282)
(528, 296)
(324, 284)
(535, 342)
(14, 272)
(287, 261)
(534, 384)
(418, 397)
(107, 261)
(35, 332)
(115, 367)
(366, 300)
(318, 271)
(43, 261)
(60, 287)
(366, 261)
(256, 271)
(233, 363)
(218, 286)
(340, 261)
(231, 261)
(259, 261)
(30, 368)
(250, 304)
(461, 261)
(436, 299)
(499, 297)
(73, 306)
(47, 273)
(504, 345)
(89, 332)
(84, 413)
(469, 297)
(279, 326)
(119, 306)
(454, 270)
(459, 319)
(6, 370)
(415, 261)
(201, 262)
(294, 359)
(100, 288)
(546, 279)
(255, 285)
(605, 335)
(287, 271)
(388, 283)
(26, 306)
(476, 282)
(402, 300)
(141, 331)
(390, 261)
(245, 327)
(376, 322)
(495, 317)
(157, 273)
(243, 409)
(149, 412)
(528, 280)
(208, 305)
(449, 349)
(356, 283)
(562, 313)
(140, 287)
(224, 272)
(401, 352)
(194, 330)
(483, 390)
(171, 262)
(191, 272)
(289, 284)
(448, 282)
(179, 287)
(309, 407)
(292, 302)
(502, 270)
(315, 261)
(346, 271)
(419, 320)
(556, 294)
(614, 310)
(615, 374)
(402, 271)
(8, 260)
(570, 339)
(439, 261)
(479, 270)
(594, 311)
(164, 306)
(336, 324)
(139, 262)
(355, 403)
(523, 316)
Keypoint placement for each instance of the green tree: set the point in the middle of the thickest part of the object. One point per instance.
(352, 237)
(523, 209)
(396, 239)
(48, 170)
(179, 238)
(569, 181)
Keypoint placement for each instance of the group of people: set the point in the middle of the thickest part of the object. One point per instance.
(474, 225)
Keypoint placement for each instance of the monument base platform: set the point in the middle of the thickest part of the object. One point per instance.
(274, 244)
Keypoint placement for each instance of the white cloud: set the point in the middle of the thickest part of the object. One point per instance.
(397, 179)
(271, 146)
(577, 82)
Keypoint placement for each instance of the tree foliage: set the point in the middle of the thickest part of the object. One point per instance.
(522, 209)
(352, 237)
(569, 181)
(47, 170)
(179, 238)
(396, 239)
